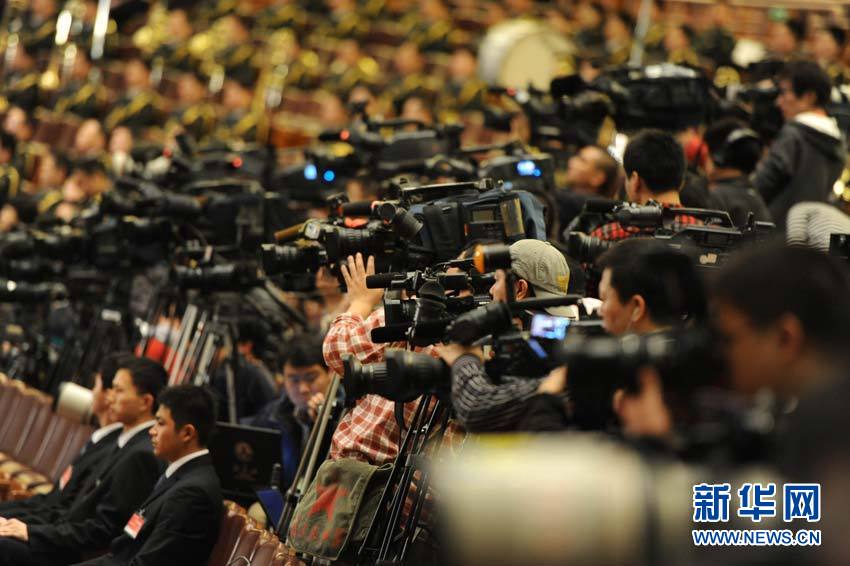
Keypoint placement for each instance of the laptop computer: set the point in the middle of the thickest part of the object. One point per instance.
(243, 457)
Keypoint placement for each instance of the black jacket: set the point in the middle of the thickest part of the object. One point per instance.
(802, 165)
(41, 509)
(738, 197)
(181, 521)
(102, 507)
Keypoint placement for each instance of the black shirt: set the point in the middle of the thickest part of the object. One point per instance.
(738, 197)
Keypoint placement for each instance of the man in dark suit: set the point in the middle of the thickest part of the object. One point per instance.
(107, 500)
(178, 523)
(48, 507)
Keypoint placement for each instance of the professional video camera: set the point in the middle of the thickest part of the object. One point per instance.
(568, 116)
(410, 144)
(711, 243)
(423, 225)
(423, 320)
(405, 375)
(686, 359)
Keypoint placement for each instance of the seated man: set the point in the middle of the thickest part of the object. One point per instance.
(654, 164)
(305, 378)
(109, 497)
(178, 523)
(45, 508)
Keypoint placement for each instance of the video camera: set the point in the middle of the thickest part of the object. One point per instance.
(423, 225)
(710, 243)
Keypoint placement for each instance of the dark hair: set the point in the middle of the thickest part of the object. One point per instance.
(90, 166)
(807, 76)
(110, 365)
(598, 8)
(191, 405)
(666, 279)
(148, 376)
(658, 159)
(254, 330)
(742, 154)
(61, 161)
(304, 350)
(773, 280)
(839, 35)
(8, 142)
(611, 169)
(797, 28)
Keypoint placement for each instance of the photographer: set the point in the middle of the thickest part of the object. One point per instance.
(369, 431)
(481, 405)
(784, 316)
(654, 163)
(809, 152)
(591, 172)
(646, 287)
(733, 153)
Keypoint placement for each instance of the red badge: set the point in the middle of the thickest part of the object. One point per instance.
(66, 477)
(134, 525)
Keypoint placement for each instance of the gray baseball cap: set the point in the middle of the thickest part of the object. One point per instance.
(545, 268)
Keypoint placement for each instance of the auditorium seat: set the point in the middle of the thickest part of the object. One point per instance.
(16, 424)
(245, 546)
(28, 444)
(266, 549)
(231, 527)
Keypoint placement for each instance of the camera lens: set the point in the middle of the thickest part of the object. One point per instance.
(292, 259)
(344, 242)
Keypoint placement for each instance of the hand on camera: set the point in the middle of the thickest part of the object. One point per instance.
(555, 382)
(451, 352)
(363, 300)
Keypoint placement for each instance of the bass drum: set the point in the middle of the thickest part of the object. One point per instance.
(520, 53)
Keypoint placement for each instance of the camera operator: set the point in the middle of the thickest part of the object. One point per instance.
(646, 287)
(481, 405)
(733, 153)
(654, 163)
(591, 172)
(369, 431)
(809, 153)
(784, 315)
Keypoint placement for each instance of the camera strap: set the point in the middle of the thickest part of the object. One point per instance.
(399, 416)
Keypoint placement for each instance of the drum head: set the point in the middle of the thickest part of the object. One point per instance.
(521, 53)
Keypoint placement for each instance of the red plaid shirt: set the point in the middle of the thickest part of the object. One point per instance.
(369, 431)
(616, 231)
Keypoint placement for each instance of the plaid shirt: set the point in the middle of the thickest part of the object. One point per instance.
(369, 431)
(616, 231)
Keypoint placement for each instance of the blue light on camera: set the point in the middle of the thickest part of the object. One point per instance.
(310, 172)
(329, 176)
(528, 168)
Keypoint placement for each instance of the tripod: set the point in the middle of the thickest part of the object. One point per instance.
(391, 534)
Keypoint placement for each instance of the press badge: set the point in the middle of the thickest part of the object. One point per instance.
(134, 525)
